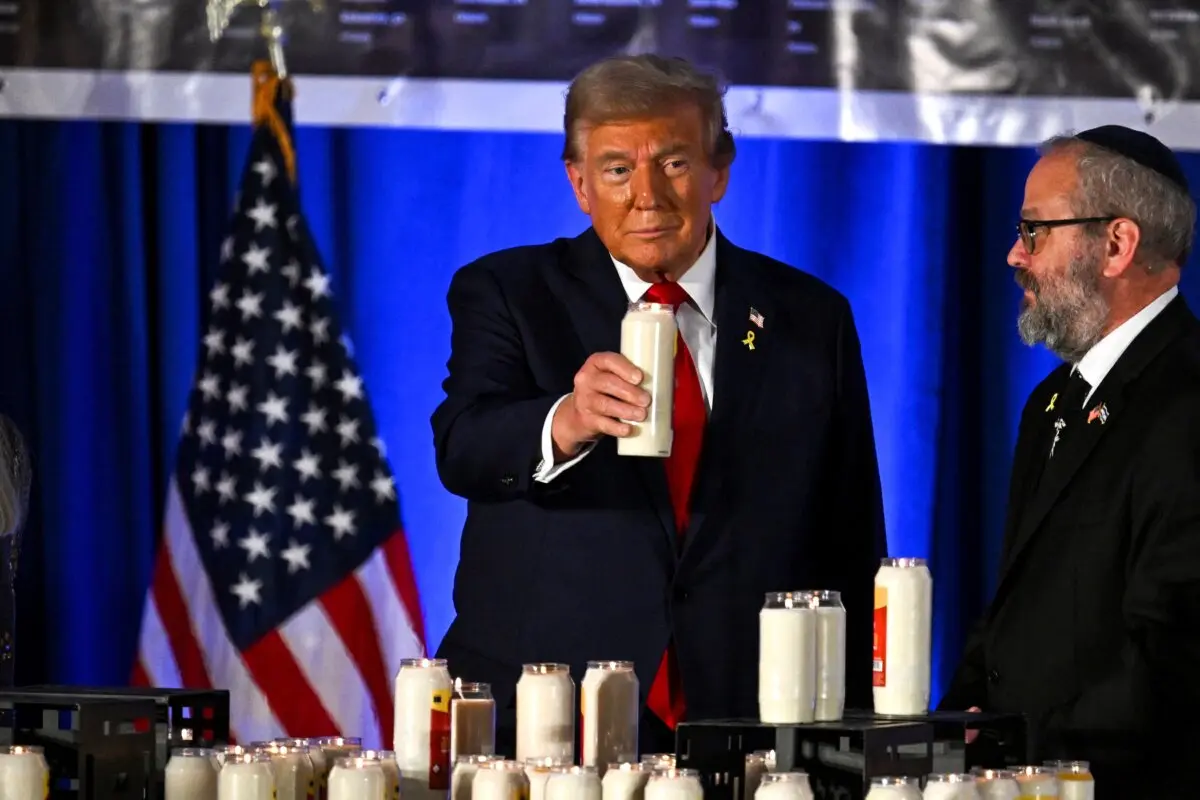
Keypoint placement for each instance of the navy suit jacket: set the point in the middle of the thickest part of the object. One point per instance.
(589, 566)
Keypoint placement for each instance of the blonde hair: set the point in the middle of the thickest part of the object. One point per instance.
(16, 478)
(636, 87)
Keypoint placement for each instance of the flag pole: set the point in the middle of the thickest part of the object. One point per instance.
(272, 32)
(272, 84)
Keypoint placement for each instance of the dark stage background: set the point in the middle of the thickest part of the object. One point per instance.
(108, 231)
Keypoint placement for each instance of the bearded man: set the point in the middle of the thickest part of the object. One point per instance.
(1094, 630)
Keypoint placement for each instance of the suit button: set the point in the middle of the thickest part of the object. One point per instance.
(508, 480)
(681, 594)
(994, 676)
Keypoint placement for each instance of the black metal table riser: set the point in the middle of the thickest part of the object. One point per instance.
(181, 717)
(841, 757)
(95, 749)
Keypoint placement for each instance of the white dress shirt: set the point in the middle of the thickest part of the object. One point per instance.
(696, 326)
(1098, 361)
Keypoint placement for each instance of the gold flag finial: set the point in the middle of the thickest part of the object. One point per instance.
(220, 13)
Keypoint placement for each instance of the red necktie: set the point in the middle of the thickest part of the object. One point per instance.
(688, 419)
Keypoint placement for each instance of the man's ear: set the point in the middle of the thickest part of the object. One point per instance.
(721, 184)
(1121, 246)
(575, 176)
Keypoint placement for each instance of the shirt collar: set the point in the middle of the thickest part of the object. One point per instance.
(699, 281)
(1098, 361)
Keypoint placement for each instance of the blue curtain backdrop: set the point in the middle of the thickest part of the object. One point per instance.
(108, 233)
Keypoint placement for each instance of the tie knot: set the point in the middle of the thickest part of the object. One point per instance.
(1075, 391)
(667, 294)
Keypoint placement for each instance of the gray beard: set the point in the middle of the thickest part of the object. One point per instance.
(1069, 314)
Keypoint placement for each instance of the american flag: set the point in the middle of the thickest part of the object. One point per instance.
(283, 574)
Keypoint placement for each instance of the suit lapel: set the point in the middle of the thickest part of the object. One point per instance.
(595, 299)
(742, 346)
(1103, 410)
(742, 350)
(1043, 415)
(1029, 460)
(597, 303)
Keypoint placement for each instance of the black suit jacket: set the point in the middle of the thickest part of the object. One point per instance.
(10, 547)
(587, 566)
(1094, 630)
(16, 477)
(14, 462)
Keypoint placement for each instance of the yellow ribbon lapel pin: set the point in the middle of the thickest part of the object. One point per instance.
(758, 320)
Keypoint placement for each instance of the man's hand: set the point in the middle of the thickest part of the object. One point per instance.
(972, 733)
(606, 392)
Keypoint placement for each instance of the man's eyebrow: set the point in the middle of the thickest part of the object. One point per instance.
(670, 149)
(674, 148)
(614, 155)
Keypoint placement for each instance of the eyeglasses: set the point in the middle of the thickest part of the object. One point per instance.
(1028, 228)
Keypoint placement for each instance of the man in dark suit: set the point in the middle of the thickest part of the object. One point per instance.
(1094, 630)
(15, 482)
(571, 552)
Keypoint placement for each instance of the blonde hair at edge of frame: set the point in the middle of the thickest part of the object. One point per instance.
(16, 476)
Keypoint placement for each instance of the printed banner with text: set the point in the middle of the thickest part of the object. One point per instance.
(962, 71)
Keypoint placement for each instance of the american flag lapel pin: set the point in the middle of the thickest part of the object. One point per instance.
(1100, 412)
(756, 317)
